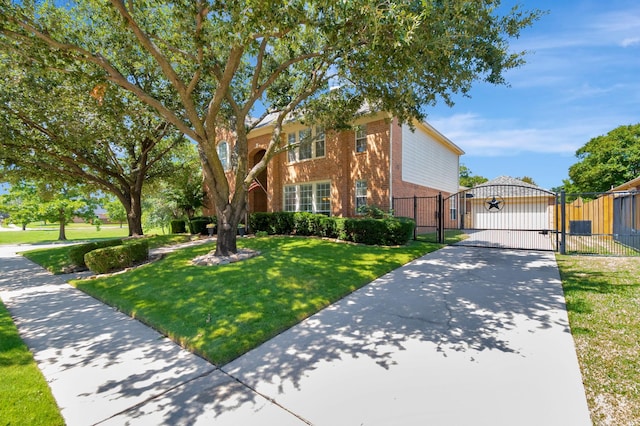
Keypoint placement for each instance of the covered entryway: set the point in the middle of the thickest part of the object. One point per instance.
(258, 201)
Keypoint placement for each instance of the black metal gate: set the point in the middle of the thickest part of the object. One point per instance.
(502, 216)
(531, 218)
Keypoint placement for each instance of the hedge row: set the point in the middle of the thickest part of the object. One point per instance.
(387, 231)
(108, 259)
(76, 253)
(196, 225)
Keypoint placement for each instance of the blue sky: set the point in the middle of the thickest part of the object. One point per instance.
(581, 80)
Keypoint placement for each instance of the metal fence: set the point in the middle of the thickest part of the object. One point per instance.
(605, 224)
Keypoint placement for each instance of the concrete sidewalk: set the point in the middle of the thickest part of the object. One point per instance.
(461, 336)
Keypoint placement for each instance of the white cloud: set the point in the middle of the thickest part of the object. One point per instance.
(630, 41)
(484, 137)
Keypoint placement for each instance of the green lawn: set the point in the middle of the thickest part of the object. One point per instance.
(25, 398)
(56, 260)
(221, 312)
(603, 303)
(49, 233)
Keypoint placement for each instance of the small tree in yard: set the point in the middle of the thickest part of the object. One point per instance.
(215, 64)
(61, 203)
(21, 203)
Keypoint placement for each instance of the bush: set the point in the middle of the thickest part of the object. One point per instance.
(76, 253)
(387, 231)
(108, 259)
(177, 226)
(198, 225)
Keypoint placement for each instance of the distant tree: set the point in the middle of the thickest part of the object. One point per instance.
(607, 161)
(467, 179)
(115, 210)
(61, 203)
(21, 203)
(527, 179)
(222, 61)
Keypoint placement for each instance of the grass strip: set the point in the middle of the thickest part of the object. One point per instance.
(221, 312)
(603, 303)
(25, 397)
(56, 260)
(51, 235)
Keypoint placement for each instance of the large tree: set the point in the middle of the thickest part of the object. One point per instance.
(223, 61)
(75, 130)
(607, 161)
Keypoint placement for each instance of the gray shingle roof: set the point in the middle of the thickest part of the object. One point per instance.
(506, 186)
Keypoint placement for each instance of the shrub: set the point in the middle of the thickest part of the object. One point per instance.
(198, 225)
(108, 259)
(387, 231)
(76, 253)
(178, 226)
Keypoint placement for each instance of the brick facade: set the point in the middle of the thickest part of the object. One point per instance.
(379, 165)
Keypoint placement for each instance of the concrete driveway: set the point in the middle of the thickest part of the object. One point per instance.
(462, 336)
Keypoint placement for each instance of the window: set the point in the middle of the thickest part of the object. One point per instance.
(453, 212)
(361, 138)
(312, 197)
(319, 141)
(306, 144)
(223, 154)
(361, 195)
(305, 149)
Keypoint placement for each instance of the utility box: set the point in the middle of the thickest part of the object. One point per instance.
(580, 227)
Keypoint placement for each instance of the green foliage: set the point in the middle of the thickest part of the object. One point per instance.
(21, 203)
(227, 310)
(468, 180)
(198, 225)
(178, 226)
(396, 55)
(373, 212)
(387, 231)
(607, 161)
(107, 259)
(77, 252)
(115, 211)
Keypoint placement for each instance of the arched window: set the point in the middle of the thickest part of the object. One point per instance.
(223, 154)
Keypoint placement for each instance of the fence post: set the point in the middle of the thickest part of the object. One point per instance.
(415, 217)
(440, 218)
(563, 225)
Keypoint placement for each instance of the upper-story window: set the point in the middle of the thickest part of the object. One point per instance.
(223, 154)
(361, 138)
(307, 143)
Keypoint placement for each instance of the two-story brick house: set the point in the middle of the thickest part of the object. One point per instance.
(335, 173)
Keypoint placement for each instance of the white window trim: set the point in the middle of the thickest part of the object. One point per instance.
(366, 195)
(363, 139)
(295, 152)
(314, 196)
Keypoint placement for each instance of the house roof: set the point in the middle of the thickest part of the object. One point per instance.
(632, 184)
(506, 186)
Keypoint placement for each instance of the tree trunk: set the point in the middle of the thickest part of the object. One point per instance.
(134, 218)
(228, 219)
(62, 236)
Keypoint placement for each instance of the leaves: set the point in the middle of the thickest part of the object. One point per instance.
(607, 161)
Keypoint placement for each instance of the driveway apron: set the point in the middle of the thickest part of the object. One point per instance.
(461, 336)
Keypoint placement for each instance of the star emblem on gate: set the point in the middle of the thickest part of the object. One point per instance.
(494, 202)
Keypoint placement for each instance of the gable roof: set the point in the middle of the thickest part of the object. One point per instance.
(506, 186)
